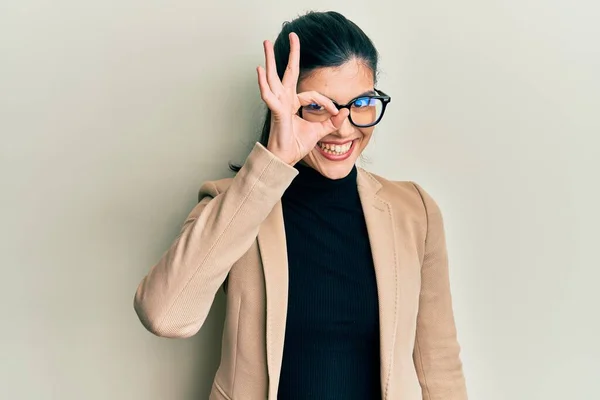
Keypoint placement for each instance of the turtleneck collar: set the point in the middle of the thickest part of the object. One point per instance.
(309, 185)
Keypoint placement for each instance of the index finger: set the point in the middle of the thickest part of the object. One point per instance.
(307, 98)
(292, 71)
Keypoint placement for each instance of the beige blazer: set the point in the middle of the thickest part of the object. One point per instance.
(235, 238)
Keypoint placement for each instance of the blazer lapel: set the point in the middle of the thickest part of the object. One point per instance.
(380, 227)
(273, 251)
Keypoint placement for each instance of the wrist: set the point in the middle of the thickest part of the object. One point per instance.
(280, 156)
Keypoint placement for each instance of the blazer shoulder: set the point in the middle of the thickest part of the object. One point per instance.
(213, 188)
(406, 194)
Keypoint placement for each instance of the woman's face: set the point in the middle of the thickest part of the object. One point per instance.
(340, 84)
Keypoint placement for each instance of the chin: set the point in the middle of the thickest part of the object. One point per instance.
(338, 171)
(330, 169)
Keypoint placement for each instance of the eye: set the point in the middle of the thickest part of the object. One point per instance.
(363, 102)
(314, 108)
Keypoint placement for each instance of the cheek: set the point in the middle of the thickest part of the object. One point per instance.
(366, 134)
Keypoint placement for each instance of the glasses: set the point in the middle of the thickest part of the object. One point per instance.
(365, 111)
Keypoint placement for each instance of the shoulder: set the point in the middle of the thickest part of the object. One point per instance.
(408, 195)
(261, 167)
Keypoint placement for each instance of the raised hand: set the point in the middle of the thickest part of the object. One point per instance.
(292, 137)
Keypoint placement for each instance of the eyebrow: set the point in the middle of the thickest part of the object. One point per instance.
(367, 93)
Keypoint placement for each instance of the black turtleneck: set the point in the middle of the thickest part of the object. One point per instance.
(331, 348)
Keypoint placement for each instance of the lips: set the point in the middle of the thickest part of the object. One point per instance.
(335, 149)
(336, 152)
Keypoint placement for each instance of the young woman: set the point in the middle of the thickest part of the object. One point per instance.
(336, 279)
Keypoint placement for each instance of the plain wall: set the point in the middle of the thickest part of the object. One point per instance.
(112, 113)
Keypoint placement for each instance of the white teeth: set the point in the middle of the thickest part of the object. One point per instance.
(335, 149)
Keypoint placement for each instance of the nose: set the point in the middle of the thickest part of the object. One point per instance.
(346, 129)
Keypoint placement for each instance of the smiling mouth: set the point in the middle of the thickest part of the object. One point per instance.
(336, 149)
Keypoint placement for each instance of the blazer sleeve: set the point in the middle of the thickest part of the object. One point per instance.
(437, 351)
(174, 298)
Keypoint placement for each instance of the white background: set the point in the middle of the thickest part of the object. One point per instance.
(112, 113)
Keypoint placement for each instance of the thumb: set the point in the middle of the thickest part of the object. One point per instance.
(338, 120)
